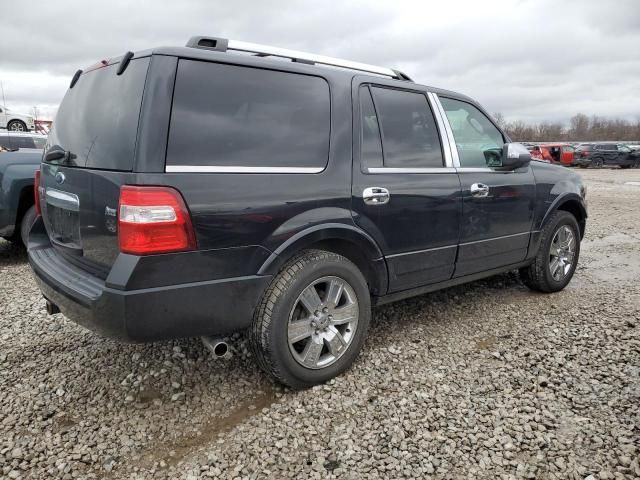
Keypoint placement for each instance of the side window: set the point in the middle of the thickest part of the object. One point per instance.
(22, 142)
(479, 142)
(409, 134)
(229, 115)
(370, 141)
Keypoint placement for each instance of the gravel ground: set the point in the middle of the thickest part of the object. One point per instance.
(486, 380)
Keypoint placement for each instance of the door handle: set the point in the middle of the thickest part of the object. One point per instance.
(479, 190)
(375, 196)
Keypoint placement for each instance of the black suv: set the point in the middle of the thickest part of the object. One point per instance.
(597, 155)
(195, 192)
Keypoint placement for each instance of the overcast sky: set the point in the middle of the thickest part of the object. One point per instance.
(529, 59)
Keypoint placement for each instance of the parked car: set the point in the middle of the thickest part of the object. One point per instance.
(597, 155)
(17, 210)
(16, 140)
(560, 153)
(16, 122)
(316, 193)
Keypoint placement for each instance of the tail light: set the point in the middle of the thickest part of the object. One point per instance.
(153, 220)
(36, 192)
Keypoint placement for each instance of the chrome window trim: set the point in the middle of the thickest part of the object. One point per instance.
(447, 126)
(446, 145)
(411, 170)
(480, 170)
(239, 169)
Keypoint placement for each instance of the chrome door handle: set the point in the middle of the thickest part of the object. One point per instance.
(479, 190)
(375, 196)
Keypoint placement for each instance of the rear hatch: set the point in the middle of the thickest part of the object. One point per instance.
(94, 133)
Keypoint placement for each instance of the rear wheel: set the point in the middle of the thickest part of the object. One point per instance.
(597, 163)
(17, 126)
(313, 319)
(26, 223)
(557, 256)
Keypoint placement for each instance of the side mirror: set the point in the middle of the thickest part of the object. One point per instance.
(514, 156)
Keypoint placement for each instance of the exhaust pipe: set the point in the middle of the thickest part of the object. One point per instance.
(52, 308)
(218, 346)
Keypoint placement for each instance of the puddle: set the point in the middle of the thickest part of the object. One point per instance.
(613, 239)
(175, 450)
(486, 343)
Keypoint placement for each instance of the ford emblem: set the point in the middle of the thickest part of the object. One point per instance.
(60, 178)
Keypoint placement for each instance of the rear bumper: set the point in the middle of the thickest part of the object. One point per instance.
(145, 314)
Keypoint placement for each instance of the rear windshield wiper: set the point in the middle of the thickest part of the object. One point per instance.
(57, 154)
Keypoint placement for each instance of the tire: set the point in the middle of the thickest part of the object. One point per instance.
(283, 303)
(539, 276)
(26, 223)
(597, 163)
(636, 164)
(17, 126)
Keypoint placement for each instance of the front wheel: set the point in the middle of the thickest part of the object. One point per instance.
(17, 126)
(313, 319)
(597, 163)
(557, 257)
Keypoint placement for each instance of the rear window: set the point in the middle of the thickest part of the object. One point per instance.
(232, 116)
(97, 121)
(13, 142)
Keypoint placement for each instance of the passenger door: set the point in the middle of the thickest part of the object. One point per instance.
(3, 118)
(567, 155)
(405, 191)
(497, 205)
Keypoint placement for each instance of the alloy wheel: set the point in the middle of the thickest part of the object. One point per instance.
(323, 322)
(562, 253)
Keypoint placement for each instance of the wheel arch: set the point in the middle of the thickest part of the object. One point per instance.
(25, 201)
(343, 239)
(572, 203)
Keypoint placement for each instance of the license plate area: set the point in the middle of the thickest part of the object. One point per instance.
(62, 217)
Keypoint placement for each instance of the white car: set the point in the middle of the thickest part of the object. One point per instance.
(16, 122)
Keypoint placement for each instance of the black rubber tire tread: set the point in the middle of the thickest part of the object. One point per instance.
(281, 293)
(25, 224)
(537, 275)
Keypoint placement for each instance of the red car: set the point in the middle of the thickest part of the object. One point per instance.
(561, 153)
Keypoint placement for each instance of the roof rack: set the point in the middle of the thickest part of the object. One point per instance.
(223, 45)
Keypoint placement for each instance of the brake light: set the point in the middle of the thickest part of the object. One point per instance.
(36, 192)
(153, 220)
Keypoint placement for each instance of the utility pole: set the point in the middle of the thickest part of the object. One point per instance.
(4, 102)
